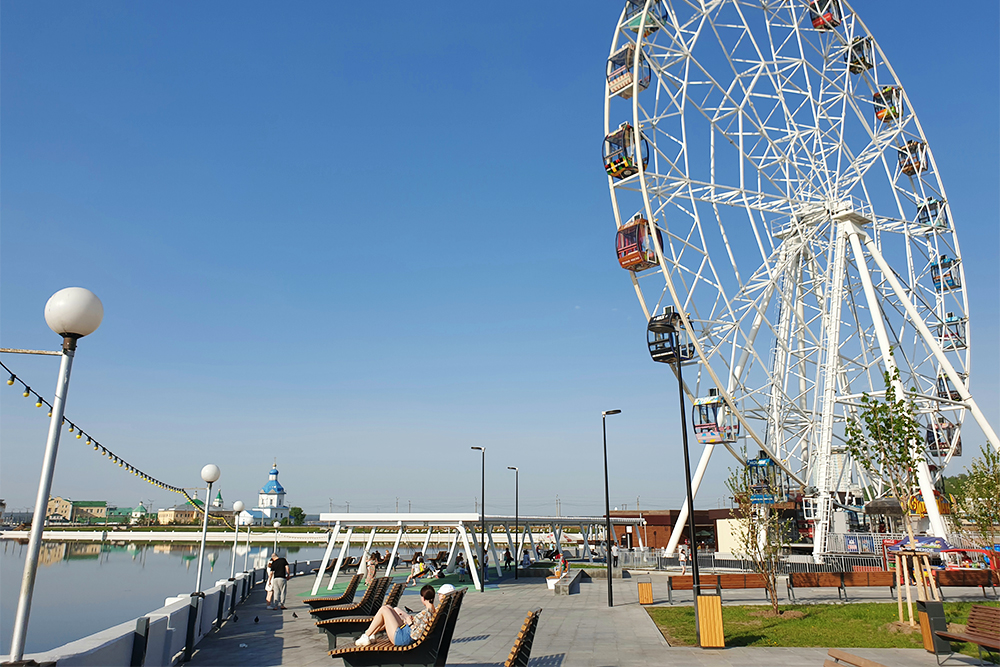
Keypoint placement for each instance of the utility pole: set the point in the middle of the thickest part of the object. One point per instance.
(409, 505)
(397, 504)
(348, 506)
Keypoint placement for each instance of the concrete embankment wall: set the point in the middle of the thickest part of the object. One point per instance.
(163, 636)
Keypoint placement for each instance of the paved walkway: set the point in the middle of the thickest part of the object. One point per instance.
(576, 630)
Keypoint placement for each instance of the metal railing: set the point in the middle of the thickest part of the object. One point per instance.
(709, 563)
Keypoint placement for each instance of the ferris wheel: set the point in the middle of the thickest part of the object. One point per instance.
(771, 183)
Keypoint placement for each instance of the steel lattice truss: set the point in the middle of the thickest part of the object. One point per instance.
(778, 193)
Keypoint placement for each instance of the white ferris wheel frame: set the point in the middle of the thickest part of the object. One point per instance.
(799, 167)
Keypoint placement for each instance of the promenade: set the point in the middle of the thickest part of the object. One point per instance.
(573, 630)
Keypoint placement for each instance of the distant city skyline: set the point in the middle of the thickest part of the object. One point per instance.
(364, 259)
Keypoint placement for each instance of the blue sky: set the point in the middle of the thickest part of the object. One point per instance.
(363, 241)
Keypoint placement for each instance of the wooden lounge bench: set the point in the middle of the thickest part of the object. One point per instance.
(844, 658)
(371, 601)
(449, 628)
(347, 597)
(355, 625)
(521, 651)
(816, 580)
(686, 583)
(350, 563)
(970, 578)
(983, 630)
(424, 651)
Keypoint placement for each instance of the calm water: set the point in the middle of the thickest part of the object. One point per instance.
(83, 588)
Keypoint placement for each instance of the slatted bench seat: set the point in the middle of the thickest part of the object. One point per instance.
(347, 597)
(743, 581)
(983, 630)
(371, 601)
(520, 653)
(686, 583)
(841, 658)
(424, 651)
(815, 580)
(355, 625)
(969, 578)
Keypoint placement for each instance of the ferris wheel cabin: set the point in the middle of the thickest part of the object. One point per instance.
(667, 339)
(912, 157)
(945, 390)
(633, 16)
(931, 212)
(825, 14)
(767, 483)
(620, 155)
(951, 333)
(713, 421)
(621, 76)
(945, 275)
(861, 55)
(941, 438)
(888, 103)
(634, 242)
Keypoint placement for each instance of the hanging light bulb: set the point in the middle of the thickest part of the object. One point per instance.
(79, 434)
(89, 441)
(11, 379)
(104, 452)
(96, 446)
(50, 413)
(27, 391)
(38, 402)
(71, 427)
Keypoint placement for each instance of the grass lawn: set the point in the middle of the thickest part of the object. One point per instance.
(860, 625)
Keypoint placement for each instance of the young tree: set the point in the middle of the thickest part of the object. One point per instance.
(760, 531)
(886, 442)
(979, 497)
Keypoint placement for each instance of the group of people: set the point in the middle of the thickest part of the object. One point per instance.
(403, 626)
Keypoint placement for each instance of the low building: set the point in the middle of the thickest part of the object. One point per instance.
(120, 515)
(139, 513)
(90, 511)
(189, 514)
(660, 524)
(59, 509)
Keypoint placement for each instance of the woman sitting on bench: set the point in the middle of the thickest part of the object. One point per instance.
(419, 570)
(402, 628)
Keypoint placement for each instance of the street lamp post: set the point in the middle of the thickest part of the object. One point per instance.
(607, 504)
(276, 524)
(246, 556)
(517, 526)
(482, 515)
(237, 508)
(72, 313)
(672, 324)
(210, 474)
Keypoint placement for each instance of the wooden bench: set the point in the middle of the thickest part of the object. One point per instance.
(983, 630)
(569, 583)
(371, 601)
(347, 597)
(844, 658)
(686, 583)
(424, 651)
(816, 580)
(355, 625)
(970, 578)
(738, 582)
(521, 651)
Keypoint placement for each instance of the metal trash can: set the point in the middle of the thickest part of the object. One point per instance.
(931, 615)
(645, 590)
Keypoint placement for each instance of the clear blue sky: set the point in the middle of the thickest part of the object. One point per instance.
(361, 240)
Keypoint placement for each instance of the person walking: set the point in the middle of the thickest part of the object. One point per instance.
(682, 555)
(508, 559)
(279, 581)
(614, 554)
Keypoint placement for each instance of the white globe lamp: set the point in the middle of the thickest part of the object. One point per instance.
(74, 312)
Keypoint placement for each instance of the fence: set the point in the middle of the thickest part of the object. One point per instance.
(165, 636)
(646, 560)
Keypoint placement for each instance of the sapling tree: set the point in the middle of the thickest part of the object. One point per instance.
(885, 440)
(759, 532)
(979, 497)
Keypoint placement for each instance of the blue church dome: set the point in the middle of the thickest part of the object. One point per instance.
(272, 486)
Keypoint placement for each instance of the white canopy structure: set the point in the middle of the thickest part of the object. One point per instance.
(455, 527)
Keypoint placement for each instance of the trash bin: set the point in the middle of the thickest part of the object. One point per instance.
(710, 621)
(645, 590)
(931, 615)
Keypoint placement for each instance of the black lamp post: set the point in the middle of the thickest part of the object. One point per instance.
(482, 509)
(665, 346)
(517, 533)
(607, 504)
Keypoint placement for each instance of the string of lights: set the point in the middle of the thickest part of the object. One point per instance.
(80, 434)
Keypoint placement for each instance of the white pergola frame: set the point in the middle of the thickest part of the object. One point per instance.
(459, 527)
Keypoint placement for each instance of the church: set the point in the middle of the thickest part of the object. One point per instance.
(271, 505)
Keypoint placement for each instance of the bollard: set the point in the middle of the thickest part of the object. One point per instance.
(232, 600)
(139, 641)
(196, 599)
(222, 608)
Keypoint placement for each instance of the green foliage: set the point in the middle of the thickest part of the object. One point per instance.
(862, 625)
(885, 440)
(297, 515)
(979, 498)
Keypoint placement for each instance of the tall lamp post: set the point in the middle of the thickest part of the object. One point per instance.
(666, 346)
(237, 508)
(246, 556)
(517, 526)
(72, 313)
(607, 504)
(482, 515)
(210, 474)
(276, 524)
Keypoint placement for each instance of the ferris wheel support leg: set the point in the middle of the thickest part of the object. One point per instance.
(875, 308)
(699, 474)
(933, 345)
